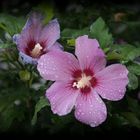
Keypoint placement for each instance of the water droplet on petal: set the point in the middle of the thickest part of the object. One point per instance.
(119, 90)
(82, 113)
(78, 113)
(92, 124)
(91, 105)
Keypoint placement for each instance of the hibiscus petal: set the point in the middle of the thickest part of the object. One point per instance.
(57, 65)
(15, 38)
(62, 98)
(30, 31)
(50, 33)
(56, 46)
(27, 59)
(89, 54)
(112, 82)
(90, 109)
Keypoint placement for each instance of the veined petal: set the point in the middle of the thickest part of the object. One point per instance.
(112, 82)
(30, 31)
(89, 54)
(57, 65)
(50, 33)
(27, 59)
(90, 109)
(55, 46)
(15, 38)
(33, 26)
(62, 98)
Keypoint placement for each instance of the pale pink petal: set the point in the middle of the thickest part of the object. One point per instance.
(55, 46)
(57, 65)
(89, 54)
(112, 82)
(33, 26)
(62, 98)
(90, 109)
(30, 31)
(50, 33)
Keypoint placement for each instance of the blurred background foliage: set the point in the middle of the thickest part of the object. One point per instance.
(23, 107)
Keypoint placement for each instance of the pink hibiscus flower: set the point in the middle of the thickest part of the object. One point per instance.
(37, 39)
(80, 83)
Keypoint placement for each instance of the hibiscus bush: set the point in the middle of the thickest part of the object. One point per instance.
(71, 68)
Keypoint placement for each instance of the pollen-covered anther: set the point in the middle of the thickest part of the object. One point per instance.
(82, 82)
(37, 50)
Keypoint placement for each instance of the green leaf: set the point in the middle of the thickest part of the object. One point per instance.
(24, 75)
(2, 45)
(71, 42)
(9, 111)
(100, 31)
(134, 68)
(132, 118)
(40, 104)
(11, 24)
(126, 52)
(117, 121)
(133, 81)
(113, 56)
(133, 105)
(8, 116)
(74, 33)
(3, 103)
(6, 45)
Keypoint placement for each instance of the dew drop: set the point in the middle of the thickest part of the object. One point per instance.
(82, 113)
(119, 90)
(43, 72)
(78, 113)
(70, 78)
(92, 124)
(91, 105)
(79, 110)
